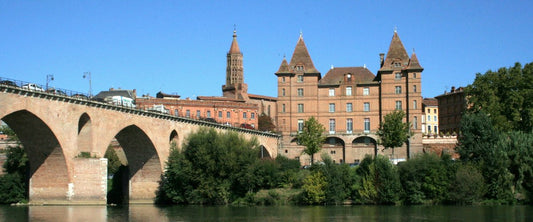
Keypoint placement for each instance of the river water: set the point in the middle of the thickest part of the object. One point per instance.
(260, 213)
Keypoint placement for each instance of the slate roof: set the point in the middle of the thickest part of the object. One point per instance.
(335, 76)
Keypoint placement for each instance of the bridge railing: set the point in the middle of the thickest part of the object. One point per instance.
(40, 88)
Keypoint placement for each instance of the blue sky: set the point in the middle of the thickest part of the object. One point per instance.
(180, 46)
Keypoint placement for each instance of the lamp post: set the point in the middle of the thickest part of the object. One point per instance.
(88, 75)
(49, 78)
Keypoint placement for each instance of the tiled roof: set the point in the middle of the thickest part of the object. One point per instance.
(336, 75)
(115, 92)
(413, 62)
(284, 67)
(430, 102)
(254, 96)
(163, 95)
(301, 56)
(218, 98)
(396, 53)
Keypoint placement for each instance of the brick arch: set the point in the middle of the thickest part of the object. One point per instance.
(337, 144)
(363, 145)
(263, 152)
(45, 154)
(85, 134)
(144, 165)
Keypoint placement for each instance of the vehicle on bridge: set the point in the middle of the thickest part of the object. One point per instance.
(159, 108)
(33, 87)
(8, 82)
(56, 91)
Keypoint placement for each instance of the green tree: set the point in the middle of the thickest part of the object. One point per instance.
(505, 95)
(393, 132)
(11, 136)
(265, 123)
(467, 186)
(212, 168)
(314, 188)
(312, 137)
(377, 182)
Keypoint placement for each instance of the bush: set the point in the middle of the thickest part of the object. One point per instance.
(314, 189)
(468, 186)
(377, 182)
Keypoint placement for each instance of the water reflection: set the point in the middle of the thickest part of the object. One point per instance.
(257, 214)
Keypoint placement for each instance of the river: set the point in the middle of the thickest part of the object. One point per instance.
(268, 213)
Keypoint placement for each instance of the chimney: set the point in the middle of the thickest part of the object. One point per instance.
(381, 59)
(453, 89)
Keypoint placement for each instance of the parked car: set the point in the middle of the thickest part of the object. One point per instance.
(33, 87)
(8, 83)
(81, 96)
(56, 91)
(247, 126)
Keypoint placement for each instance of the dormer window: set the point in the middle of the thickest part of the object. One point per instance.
(348, 77)
(397, 64)
(299, 68)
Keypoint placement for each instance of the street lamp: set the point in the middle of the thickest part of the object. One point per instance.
(49, 78)
(88, 75)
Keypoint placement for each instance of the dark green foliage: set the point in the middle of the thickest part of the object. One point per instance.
(467, 186)
(377, 182)
(14, 184)
(213, 168)
(477, 137)
(11, 136)
(339, 180)
(312, 137)
(506, 96)
(13, 189)
(424, 178)
(393, 132)
(113, 163)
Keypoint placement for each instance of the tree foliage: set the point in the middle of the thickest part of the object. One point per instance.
(505, 95)
(393, 132)
(213, 168)
(312, 137)
(314, 188)
(378, 182)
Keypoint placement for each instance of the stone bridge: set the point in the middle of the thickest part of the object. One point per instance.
(56, 130)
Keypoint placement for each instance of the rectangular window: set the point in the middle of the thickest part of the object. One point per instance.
(228, 115)
(300, 125)
(414, 104)
(414, 88)
(252, 115)
(414, 76)
(332, 107)
(415, 123)
(436, 130)
(398, 76)
(434, 110)
(244, 115)
(282, 108)
(429, 128)
(435, 118)
(188, 113)
(429, 118)
(367, 125)
(398, 89)
(197, 113)
(349, 125)
(349, 107)
(366, 91)
(348, 90)
(331, 92)
(300, 78)
(175, 112)
(366, 107)
(300, 92)
(282, 92)
(331, 126)
(283, 79)
(429, 111)
(300, 108)
(208, 114)
(219, 114)
(399, 105)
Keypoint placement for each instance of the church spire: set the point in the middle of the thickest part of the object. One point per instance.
(234, 45)
(234, 66)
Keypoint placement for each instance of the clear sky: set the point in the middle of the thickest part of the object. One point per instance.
(180, 46)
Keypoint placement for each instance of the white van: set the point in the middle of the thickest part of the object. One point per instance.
(33, 87)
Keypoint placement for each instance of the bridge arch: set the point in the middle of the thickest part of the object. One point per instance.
(144, 165)
(85, 135)
(174, 139)
(263, 152)
(48, 172)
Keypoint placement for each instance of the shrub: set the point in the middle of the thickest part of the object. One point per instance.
(468, 186)
(314, 188)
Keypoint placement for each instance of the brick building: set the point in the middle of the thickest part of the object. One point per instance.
(236, 107)
(349, 101)
(430, 116)
(451, 107)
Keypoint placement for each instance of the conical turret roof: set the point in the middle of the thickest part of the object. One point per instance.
(284, 67)
(396, 53)
(413, 62)
(301, 56)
